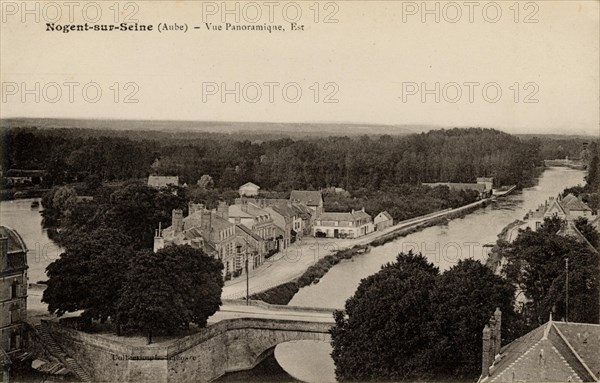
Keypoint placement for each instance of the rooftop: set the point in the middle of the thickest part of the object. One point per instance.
(307, 197)
(348, 217)
(16, 257)
(553, 352)
(246, 210)
(161, 181)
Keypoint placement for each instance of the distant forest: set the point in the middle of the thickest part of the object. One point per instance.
(352, 163)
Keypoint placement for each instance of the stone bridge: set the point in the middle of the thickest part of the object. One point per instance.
(237, 338)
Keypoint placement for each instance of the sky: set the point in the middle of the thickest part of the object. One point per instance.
(526, 67)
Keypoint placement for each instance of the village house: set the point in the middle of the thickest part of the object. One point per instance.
(248, 189)
(343, 225)
(568, 209)
(203, 229)
(553, 352)
(160, 182)
(304, 219)
(286, 219)
(311, 198)
(13, 271)
(258, 220)
(303, 215)
(255, 246)
(383, 220)
(487, 182)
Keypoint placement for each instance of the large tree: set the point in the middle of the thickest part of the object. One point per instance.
(465, 297)
(409, 322)
(384, 332)
(536, 264)
(136, 209)
(89, 275)
(166, 291)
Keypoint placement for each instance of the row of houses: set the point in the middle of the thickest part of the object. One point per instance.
(253, 228)
(567, 208)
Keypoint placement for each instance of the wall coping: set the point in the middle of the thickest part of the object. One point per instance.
(180, 345)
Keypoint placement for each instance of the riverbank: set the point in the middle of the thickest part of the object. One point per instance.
(283, 293)
(494, 259)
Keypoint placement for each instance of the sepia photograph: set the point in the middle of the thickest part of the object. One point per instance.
(300, 191)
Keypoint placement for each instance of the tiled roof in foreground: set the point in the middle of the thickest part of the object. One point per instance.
(553, 352)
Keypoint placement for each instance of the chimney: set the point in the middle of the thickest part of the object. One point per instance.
(206, 220)
(223, 210)
(498, 342)
(159, 243)
(485, 354)
(177, 221)
(195, 207)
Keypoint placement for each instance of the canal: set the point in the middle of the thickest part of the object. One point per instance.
(310, 361)
(443, 245)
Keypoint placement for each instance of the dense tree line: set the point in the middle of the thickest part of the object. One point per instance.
(456, 155)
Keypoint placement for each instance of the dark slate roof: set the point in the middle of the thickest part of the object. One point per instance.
(17, 251)
(248, 232)
(303, 211)
(553, 352)
(284, 210)
(575, 204)
(307, 197)
(15, 241)
(348, 217)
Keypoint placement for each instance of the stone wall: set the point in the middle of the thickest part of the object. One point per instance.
(227, 346)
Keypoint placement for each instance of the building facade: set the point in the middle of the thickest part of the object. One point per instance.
(257, 219)
(14, 291)
(567, 209)
(343, 225)
(313, 199)
(383, 220)
(203, 229)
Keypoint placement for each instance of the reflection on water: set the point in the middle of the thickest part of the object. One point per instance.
(443, 245)
(27, 221)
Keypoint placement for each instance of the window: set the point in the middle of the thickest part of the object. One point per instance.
(14, 290)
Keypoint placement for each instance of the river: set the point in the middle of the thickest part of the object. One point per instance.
(27, 221)
(443, 245)
(310, 361)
